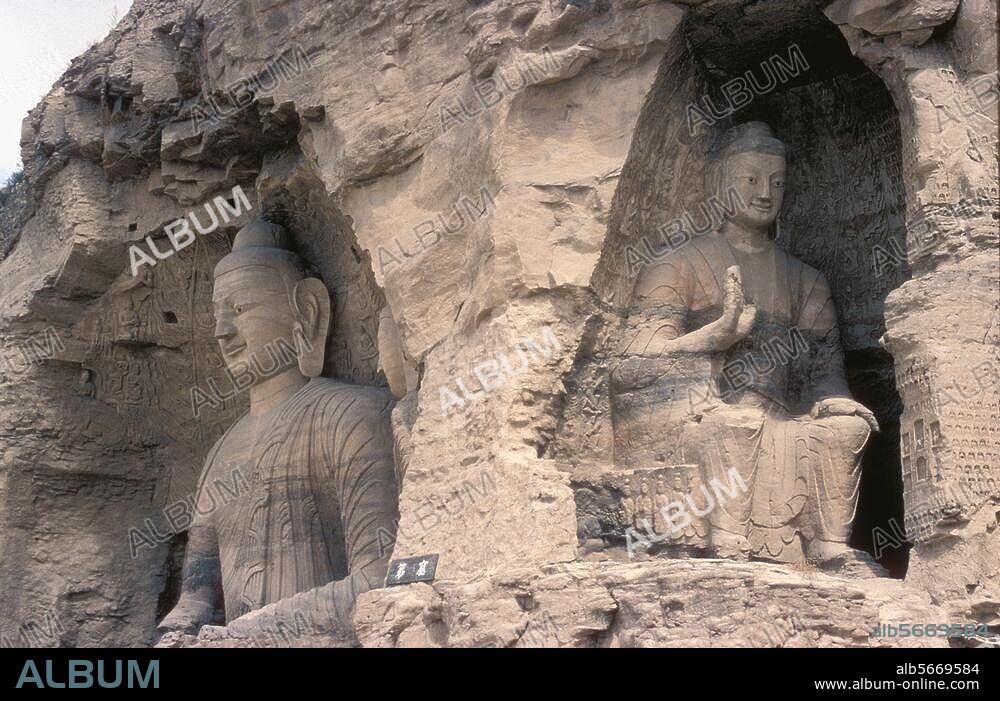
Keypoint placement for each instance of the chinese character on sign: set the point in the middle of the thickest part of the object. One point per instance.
(412, 569)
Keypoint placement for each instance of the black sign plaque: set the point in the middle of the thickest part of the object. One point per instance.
(412, 569)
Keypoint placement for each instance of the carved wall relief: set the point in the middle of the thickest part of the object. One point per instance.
(151, 345)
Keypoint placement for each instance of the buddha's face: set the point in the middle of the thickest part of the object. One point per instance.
(759, 178)
(252, 313)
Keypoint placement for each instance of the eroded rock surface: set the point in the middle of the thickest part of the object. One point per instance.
(675, 603)
(472, 177)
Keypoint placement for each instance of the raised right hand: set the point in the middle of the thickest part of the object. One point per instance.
(737, 317)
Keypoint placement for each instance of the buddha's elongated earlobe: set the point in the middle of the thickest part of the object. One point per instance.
(311, 302)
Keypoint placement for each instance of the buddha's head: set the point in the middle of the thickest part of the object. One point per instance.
(265, 301)
(752, 161)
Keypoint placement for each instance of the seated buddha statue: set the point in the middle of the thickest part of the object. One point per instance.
(730, 358)
(314, 457)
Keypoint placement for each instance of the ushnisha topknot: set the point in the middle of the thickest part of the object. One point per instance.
(261, 233)
(755, 137)
(262, 244)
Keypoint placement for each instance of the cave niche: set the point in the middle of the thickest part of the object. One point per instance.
(844, 199)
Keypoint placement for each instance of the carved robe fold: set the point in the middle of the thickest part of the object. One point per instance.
(320, 484)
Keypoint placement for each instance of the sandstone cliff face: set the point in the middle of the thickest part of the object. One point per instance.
(478, 169)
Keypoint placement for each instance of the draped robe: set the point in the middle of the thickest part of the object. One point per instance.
(746, 407)
(319, 483)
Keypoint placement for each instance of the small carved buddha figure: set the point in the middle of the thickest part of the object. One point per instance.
(731, 358)
(311, 462)
(661, 500)
(628, 506)
(647, 505)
